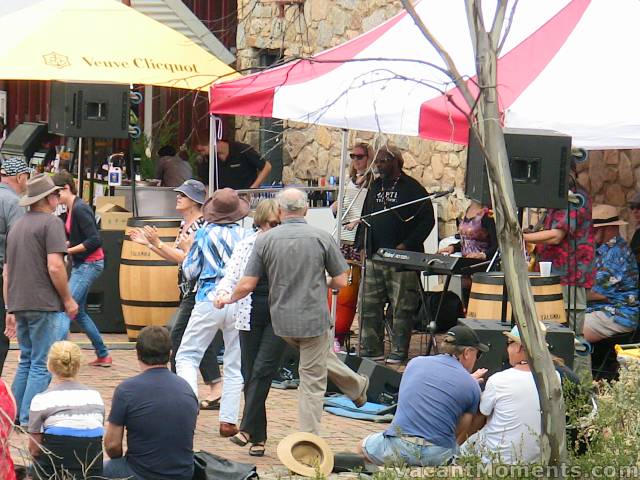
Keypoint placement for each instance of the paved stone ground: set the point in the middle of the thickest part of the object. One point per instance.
(343, 434)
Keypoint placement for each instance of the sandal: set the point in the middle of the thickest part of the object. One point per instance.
(257, 449)
(210, 404)
(240, 439)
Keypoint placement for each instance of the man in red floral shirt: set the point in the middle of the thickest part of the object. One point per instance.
(567, 240)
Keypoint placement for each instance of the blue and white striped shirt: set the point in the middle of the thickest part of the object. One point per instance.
(209, 254)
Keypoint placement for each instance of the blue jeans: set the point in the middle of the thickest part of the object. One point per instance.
(36, 332)
(118, 468)
(384, 450)
(82, 276)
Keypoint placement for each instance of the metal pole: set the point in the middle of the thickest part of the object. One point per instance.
(213, 155)
(343, 165)
(79, 160)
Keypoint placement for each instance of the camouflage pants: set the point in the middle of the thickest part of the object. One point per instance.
(384, 284)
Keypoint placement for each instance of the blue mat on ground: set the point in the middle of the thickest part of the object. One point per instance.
(373, 412)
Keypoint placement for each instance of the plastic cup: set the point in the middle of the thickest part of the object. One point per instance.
(545, 269)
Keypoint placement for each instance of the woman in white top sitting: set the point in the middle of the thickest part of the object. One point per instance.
(261, 349)
(66, 421)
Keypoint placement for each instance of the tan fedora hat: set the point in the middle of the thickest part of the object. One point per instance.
(604, 215)
(305, 453)
(37, 188)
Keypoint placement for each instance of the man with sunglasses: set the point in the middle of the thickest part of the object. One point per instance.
(634, 244)
(403, 229)
(509, 412)
(437, 402)
(15, 174)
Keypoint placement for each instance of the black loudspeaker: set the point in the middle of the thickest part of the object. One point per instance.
(103, 301)
(559, 338)
(539, 163)
(384, 382)
(86, 110)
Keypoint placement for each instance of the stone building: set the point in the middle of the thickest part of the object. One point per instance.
(269, 31)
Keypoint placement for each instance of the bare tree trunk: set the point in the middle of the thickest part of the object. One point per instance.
(514, 265)
(485, 121)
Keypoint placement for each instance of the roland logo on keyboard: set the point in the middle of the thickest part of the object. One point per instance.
(398, 256)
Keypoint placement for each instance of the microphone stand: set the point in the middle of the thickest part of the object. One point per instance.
(363, 259)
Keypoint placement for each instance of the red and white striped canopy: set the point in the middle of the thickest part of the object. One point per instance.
(563, 67)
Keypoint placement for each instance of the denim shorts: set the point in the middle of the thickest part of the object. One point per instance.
(385, 450)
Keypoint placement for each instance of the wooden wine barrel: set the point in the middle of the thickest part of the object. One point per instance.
(485, 299)
(148, 283)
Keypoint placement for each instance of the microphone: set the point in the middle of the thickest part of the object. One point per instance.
(442, 194)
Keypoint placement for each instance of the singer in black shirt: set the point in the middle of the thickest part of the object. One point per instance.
(405, 228)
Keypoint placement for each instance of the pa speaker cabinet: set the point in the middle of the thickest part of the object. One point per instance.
(490, 332)
(103, 300)
(539, 164)
(87, 110)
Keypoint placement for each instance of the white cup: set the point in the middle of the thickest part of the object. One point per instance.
(545, 269)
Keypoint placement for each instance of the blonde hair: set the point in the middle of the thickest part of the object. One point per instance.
(366, 148)
(64, 359)
(265, 209)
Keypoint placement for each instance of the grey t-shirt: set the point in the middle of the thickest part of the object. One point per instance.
(31, 239)
(10, 212)
(294, 257)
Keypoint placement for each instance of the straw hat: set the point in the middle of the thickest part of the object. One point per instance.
(604, 215)
(37, 188)
(225, 206)
(303, 453)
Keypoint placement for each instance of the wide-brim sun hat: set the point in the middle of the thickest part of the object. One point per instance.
(605, 215)
(38, 187)
(194, 190)
(305, 454)
(225, 206)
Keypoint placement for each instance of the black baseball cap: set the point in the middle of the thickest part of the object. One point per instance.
(463, 336)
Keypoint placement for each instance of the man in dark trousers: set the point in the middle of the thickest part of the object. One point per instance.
(15, 174)
(402, 229)
(239, 166)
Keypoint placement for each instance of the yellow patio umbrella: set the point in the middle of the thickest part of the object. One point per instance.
(101, 41)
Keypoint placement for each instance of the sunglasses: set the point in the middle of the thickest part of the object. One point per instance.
(273, 224)
(634, 207)
(357, 156)
(180, 195)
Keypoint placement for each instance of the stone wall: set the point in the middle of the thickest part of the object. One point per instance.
(312, 152)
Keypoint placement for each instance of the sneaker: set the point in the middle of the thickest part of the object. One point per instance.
(105, 362)
(396, 358)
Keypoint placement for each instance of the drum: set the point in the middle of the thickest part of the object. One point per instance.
(347, 301)
(485, 299)
(148, 283)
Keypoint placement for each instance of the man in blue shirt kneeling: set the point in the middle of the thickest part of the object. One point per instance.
(437, 401)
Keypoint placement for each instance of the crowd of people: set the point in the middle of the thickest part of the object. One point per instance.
(250, 285)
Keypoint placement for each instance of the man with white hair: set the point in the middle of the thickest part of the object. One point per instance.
(294, 257)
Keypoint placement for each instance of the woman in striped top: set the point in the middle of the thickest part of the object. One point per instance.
(66, 422)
